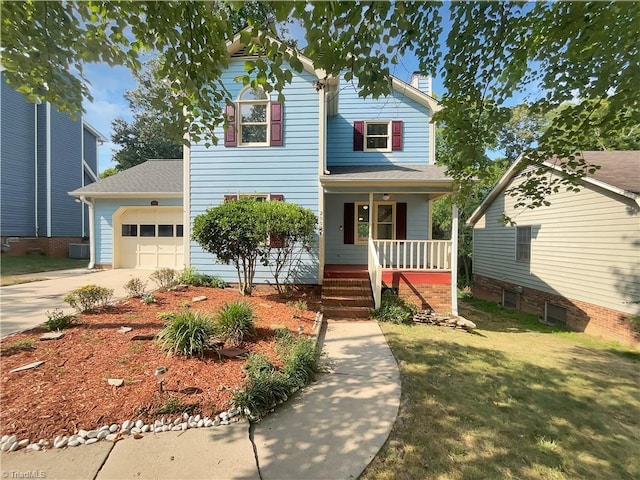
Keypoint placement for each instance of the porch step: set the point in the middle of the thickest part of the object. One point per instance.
(346, 313)
(347, 301)
(340, 291)
(347, 298)
(346, 282)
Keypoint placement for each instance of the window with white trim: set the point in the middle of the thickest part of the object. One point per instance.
(253, 117)
(384, 221)
(377, 136)
(523, 244)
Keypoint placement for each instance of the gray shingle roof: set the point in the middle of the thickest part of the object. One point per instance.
(152, 176)
(620, 169)
(391, 173)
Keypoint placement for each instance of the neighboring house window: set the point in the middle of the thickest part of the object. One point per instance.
(377, 135)
(384, 224)
(254, 121)
(523, 244)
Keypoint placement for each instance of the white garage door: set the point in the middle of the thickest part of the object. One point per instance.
(151, 237)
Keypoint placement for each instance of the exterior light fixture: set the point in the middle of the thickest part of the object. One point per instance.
(386, 196)
(160, 373)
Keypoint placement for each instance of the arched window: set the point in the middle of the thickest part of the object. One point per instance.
(254, 117)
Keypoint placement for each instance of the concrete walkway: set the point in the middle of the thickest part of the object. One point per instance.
(331, 430)
(25, 305)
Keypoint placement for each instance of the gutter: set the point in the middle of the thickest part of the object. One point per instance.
(92, 231)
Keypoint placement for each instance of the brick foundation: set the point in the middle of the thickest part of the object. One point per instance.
(50, 246)
(424, 289)
(581, 316)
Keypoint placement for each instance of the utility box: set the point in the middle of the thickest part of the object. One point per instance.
(79, 250)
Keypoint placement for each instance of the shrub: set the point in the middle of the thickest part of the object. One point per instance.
(262, 393)
(299, 305)
(234, 322)
(135, 287)
(186, 333)
(394, 309)
(190, 276)
(148, 298)
(217, 282)
(88, 297)
(57, 320)
(257, 363)
(165, 278)
(301, 361)
(17, 346)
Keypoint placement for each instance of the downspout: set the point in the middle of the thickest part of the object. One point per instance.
(35, 165)
(92, 237)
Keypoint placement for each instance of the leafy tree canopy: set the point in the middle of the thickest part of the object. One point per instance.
(554, 52)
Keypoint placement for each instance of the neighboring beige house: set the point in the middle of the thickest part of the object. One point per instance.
(574, 262)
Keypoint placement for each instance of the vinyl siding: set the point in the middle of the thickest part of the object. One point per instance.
(337, 252)
(415, 136)
(104, 210)
(66, 174)
(90, 150)
(290, 170)
(17, 154)
(42, 169)
(585, 246)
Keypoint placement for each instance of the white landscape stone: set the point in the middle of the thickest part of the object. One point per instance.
(52, 336)
(91, 440)
(27, 366)
(113, 428)
(127, 425)
(139, 423)
(145, 428)
(23, 443)
(14, 446)
(92, 434)
(115, 382)
(73, 443)
(102, 434)
(111, 437)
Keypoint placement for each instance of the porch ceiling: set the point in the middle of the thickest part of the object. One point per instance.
(388, 178)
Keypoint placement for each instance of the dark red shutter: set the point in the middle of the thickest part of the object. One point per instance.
(401, 221)
(276, 124)
(230, 137)
(276, 241)
(396, 135)
(358, 136)
(230, 198)
(348, 223)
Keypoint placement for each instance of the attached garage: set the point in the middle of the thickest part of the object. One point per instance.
(148, 237)
(137, 218)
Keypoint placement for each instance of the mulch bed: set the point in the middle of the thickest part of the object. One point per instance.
(70, 391)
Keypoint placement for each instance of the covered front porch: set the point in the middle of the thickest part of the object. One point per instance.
(380, 229)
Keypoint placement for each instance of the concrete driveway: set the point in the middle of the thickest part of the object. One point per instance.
(24, 306)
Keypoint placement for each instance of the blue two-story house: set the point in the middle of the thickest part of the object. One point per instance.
(44, 153)
(365, 167)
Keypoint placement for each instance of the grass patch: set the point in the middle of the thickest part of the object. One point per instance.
(518, 400)
(12, 267)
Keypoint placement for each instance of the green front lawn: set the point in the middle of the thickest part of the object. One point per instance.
(518, 399)
(11, 267)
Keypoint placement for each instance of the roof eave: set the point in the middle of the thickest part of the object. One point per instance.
(79, 194)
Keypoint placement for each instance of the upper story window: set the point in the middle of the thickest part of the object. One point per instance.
(523, 244)
(377, 135)
(254, 120)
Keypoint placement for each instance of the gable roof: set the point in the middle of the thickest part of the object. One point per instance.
(236, 46)
(387, 174)
(619, 173)
(151, 178)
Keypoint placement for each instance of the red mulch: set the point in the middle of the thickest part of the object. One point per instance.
(70, 391)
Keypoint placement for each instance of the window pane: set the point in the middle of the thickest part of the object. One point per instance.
(253, 113)
(363, 231)
(147, 230)
(385, 231)
(253, 94)
(376, 142)
(165, 230)
(363, 213)
(254, 133)
(377, 129)
(385, 213)
(179, 231)
(523, 243)
(129, 230)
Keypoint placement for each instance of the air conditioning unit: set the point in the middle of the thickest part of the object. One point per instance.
(79, 250)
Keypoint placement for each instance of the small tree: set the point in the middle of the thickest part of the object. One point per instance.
(291, 228)
(236, 233)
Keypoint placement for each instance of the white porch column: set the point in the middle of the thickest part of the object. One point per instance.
(454, 260)
(370, 215)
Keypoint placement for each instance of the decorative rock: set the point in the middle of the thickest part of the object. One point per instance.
(466, 324)
(4, 438)
(145, 428)
(82, 440)
(14, 446)
(11, 439)
(135, 430)
(23, 443)
(60, 442)
(104, 427)
(158, 429)
(125, 431)
(83, 433)
(200, 298)
(166, 428)
(125, 329)
(74, 438)
(137, 338)
(199, 423)
(5, 447)
(73, 443)
(216, 422)
(51, 336)
(177, 421)
(102, 434)
(34, 446)
(26, 367)
(163, 420)
(139, 423)
(111, 437)
(184, 425)
(113, 428)
(115, 382)
(225, 422)
(42, 442)
(185, 416)
(127, 425)
(208, 423)
(176, 428)
(197, 418)
(91, 440)
(92, 434)
(224, 416)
